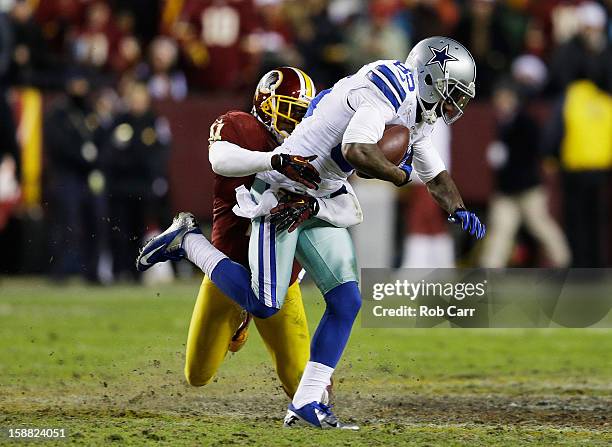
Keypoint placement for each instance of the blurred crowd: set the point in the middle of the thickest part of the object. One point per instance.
(101, 64)
(173, 46)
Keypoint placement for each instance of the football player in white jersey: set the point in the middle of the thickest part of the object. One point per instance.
(437, 80)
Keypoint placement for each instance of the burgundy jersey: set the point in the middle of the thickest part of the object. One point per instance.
(230, 233)
(222, 25)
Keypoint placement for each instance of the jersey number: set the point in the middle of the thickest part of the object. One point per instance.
(408, 78)
(215, 131)
(220, 26)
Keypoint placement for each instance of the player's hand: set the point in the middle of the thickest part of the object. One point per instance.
(406, 166)
(297, 168)
(469, 222)
(292, 210)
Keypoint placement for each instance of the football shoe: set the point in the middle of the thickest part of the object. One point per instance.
(168, 246)
(242, 333)
(314, 414)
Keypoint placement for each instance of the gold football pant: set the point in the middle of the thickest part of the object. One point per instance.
(216, 318)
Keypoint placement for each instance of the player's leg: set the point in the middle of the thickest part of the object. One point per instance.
(214, 321)
(271, 255)
(543, 227)
(504, 221)
(287, 339)
(328, 255)
(184, 239)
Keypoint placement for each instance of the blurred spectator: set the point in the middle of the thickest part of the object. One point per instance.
(96, 43)
(271, 42)
(587, 54)
(6, 46)
(75, 183)
(580, 136)
(58, 18)
(519, 195)
(9, 188)
(164, 79)
(31, 60)
(106, 105)
(143, 17)
(376, 36)
(536, 42)
(319, 41)
(128, 58)
(9, 152)
(433, 18)
(482, 30)
(212, 35)
(530, 74)
(8, 142)
(135, 163)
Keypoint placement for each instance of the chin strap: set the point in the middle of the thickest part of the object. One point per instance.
(429, 116)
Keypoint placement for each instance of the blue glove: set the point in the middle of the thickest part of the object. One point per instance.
(406, 166)
(469, 222)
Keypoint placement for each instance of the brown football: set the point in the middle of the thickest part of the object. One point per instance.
(394, 143)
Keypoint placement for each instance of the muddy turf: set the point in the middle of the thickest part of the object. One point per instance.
(106, 365)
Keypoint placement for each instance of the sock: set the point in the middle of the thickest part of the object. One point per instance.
(202, 253)
(342, 306)
(315, 379)
(328, 343)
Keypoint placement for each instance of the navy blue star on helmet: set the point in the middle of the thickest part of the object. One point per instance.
(441, 57)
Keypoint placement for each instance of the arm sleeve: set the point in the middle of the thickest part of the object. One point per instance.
(426, 160)
(371, 114)
(230, 160)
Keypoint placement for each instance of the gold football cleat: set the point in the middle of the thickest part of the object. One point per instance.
(241, 335)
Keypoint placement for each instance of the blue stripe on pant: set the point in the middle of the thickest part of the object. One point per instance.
(271, 260)
(261, 257)
(234, 280)
(272, 231)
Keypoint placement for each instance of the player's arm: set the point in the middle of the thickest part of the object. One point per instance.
(431, 170)
(359, 143)
(444, 191)
(231, 160)
(368, 159)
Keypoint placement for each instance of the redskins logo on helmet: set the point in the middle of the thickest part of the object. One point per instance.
(281, 99)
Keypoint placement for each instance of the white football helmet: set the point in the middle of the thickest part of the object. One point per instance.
(446, 74)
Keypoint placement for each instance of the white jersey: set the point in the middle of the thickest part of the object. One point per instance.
(356, 110)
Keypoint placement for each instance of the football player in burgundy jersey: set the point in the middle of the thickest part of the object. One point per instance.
(218, 324)
(216, 30)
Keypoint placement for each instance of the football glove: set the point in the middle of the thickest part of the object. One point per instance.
(406, 166)
(292, 210)
(469, 222)
(297, 168)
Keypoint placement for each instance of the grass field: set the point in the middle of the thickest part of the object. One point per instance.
(106, 364)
